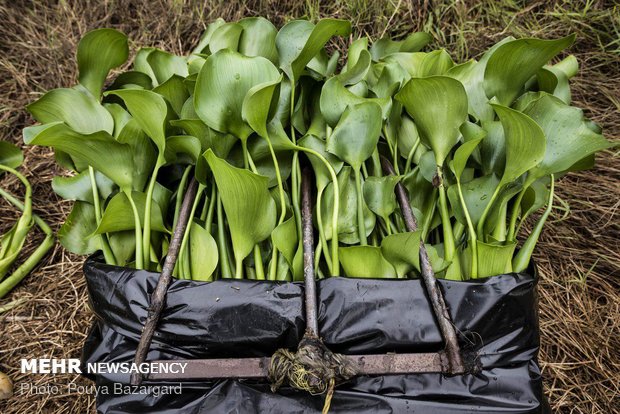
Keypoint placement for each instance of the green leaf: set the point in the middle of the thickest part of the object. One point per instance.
(75, 107)
(182, 149)
(123, 245)
(513, 63)
(555, 82)
(175, 93)
(420, 64)
(98, 52)
(379, 195)
(10, 155)
(285, 239)
(299, 41)
(258, 38)
(249, 207)
(132, 80)
(260, 105)
(335, 99)
(165, 65)
(403, 251)
(438, 105)
(365, 261)
(207, 35)
(386, 46)
(118, 215)
(143, 152)
(149, 110)
(79, 187)
(356, 136)
(76, 233)
(222, 85)
(461, 155)
(493, 259)
(477, 195)
(225, 36)
(203, 253)
(347, 215)
(99, 150)
(568, 138)
(525, 143)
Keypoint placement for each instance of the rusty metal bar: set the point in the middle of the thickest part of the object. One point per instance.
(438, 303)
(158, 299)
(384, 364)
(312, 325)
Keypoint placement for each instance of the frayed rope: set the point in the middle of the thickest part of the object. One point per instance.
(313, 368)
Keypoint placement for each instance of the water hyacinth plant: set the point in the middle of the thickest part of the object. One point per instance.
(478, 145)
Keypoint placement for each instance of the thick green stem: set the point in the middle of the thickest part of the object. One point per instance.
(183, 261)
(221, 241)
(410, 156)
(211, 209)
(522, 259)
(138, 231)
(485, 213)
(258, 263)
(238, 268)
(516, 210)
(499, 232)
(472, 233)
(146, 234)
(105, 245)
(361, 224)
(448, 233)
(322, 237)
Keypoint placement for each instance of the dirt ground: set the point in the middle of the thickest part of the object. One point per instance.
(578, 256)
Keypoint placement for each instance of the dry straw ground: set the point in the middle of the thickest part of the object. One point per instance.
(579, 255)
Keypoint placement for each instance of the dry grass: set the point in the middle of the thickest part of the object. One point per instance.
(579, 254)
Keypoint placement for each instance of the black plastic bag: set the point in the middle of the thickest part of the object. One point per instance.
(496, 318)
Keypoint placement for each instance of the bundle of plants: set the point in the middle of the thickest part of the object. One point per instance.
(478, 145)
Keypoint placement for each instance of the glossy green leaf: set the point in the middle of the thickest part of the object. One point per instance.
(477, 195)
(461, 155)
(513, 63)
(149, 110)
(258, 38)
(568, 139)
(249, 207)
(494, 259)
(76, 233)
(221, 87)
(420, 65)
(143, 152)
(75, 107)
(285, 239)
(379, 195)
(99, 150)
(203, 253)
(525, 143)
(300, 40)
(438, 106)
(118, 214)
(10, 155)
(207, 35)
(132, 80)
(365, 261)
(174, 92)
(165, 65)
(347, 216)
(335, 99)
(402, 250)
(123, 245)
(357, 133)
(182, 149)
(79, 186)
(260, 105)
(386, 46)
(98, 52)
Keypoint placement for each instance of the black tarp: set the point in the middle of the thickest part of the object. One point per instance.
(496, 318)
